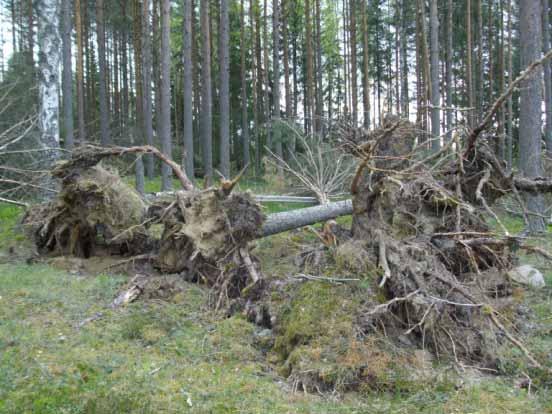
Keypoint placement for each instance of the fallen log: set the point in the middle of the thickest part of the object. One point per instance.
(289, 220)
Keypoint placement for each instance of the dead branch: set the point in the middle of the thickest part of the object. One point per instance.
(90, 155)
(474, 134)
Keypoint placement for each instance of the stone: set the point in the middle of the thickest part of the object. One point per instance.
(528, 276)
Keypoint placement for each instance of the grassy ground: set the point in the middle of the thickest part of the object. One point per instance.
(174, 357)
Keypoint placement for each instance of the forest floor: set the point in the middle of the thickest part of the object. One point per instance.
(178, 356)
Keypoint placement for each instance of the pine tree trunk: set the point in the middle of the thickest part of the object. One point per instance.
(354, 91)
(138, 86)
(405, 98)
(365, 67)
(510, 105)
(448, 70)
(124, 72)
(80, 72)
(480, 63)
(435, 93)
(469, 68)
(67, 86)
(309, 99)
(276, 127)
(243, 69)
(266, 80)
(547, 77)
(165, 110)
(258, 96)
(319, 87)
(147, 114)
(104, 105)
(188, 110)
(530, 106)
(224, 98)
(206, 94)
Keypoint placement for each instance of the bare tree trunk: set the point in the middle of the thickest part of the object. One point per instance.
(165, 132)
(530, 106)
(67, 75)
(309, 99)
(30, 33)
(449, 68)
(206, 94)
(124, 67)
(224, 98)
(49, 61)
(469, 69)
(188, 122)
(104, 106)
(80, 71)
(243, 69)
(354, 91)
(285, 35)
(138, 87)
(266, 81)
(365, 67)
(435, 93)
(480, 63)
(510, 122)
(547, 77)
(258, 73)
(146, 85)
(288, 220)
(404, 62)
(319, 86)
(276, 127)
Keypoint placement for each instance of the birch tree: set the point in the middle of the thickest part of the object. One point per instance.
(49, 61)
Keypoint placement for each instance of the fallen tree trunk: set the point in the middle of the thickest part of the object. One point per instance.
(289, 220)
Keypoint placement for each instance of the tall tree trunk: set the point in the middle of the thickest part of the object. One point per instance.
(501, 84)
(547, 77)
(354, 90)
(147, 113)
(258, 95)
(224, 98)
(405, 98)
(469, 68)
(124, 68)
(319, 87)
(365, 67)
(309, 99)
(480, 63)
(266, 81)
(287, 83)
(243, 70)
(165, 116)
(276, 127)
(448, 71)
(188, 110)
(67, 86)
(30, 34)
(510, 105)
(530, 106)
(80, 71)
(435, 92)
(206, 95)
(104, 106)
(138, 88)
(49, 61)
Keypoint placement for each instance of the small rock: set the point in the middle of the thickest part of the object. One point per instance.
(528, 276)
(264, 339)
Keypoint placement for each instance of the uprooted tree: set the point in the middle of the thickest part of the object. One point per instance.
(419, 221)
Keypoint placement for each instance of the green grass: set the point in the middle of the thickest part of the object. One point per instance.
(163, 357)
(9, 217)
